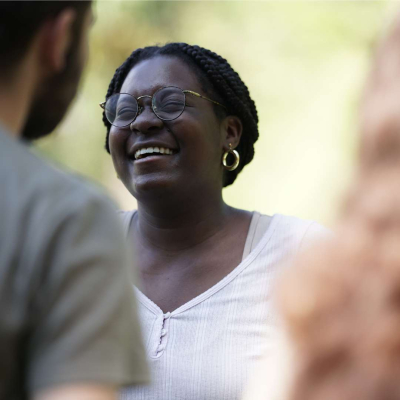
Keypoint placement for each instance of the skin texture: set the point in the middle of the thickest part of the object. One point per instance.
(185, 238)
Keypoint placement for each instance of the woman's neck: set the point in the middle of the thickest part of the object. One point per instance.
(183, 225)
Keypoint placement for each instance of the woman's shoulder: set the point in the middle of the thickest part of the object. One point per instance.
(289, 231)
(304, 231)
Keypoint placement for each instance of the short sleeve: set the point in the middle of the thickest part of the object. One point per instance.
(85, 327)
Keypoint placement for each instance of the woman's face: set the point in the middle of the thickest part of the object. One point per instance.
(195, 138)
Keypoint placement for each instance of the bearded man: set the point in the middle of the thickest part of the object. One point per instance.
(68, 327)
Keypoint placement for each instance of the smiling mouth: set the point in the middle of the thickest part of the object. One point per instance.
(153, 151)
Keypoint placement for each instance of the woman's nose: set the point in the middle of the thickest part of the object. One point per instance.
(146, 121)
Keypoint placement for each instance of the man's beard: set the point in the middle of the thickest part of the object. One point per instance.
(53, 98)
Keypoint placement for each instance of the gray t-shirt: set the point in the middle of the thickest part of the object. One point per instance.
(67, 311)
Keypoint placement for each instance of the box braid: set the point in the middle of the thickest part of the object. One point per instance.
(217, 78)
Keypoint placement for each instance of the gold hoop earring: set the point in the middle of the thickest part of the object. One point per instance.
(236, 161)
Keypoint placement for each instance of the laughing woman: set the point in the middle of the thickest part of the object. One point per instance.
(181, 125)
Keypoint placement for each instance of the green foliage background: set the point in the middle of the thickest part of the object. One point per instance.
(304, 62)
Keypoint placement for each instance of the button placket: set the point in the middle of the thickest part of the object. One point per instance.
(162, 336)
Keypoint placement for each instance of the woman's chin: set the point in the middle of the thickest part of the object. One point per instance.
(153, 187)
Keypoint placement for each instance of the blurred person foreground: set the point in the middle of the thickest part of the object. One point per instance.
(341, 301)
(68, 329)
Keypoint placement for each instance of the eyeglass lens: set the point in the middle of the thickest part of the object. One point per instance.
(168, 104)
(121, 109)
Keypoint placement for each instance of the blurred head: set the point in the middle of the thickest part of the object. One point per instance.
(201, 134)
(20, 22)
(380, 108)
(341, 301)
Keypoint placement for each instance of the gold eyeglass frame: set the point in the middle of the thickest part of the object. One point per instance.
(103, 104)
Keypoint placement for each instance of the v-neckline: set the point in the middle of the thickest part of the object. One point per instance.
(155, 309)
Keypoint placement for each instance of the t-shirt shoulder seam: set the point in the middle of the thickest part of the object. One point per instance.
(310, 224)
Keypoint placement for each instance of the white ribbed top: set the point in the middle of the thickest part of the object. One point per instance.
(206, 349)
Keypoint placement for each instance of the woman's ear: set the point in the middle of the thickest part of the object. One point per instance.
(233, 129)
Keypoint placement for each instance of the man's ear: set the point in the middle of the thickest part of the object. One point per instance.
(233, 129)
(55, 40)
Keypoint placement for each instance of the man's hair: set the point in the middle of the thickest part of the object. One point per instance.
(19, 22)
(217, 78)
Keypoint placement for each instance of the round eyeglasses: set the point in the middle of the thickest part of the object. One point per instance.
(167, 103)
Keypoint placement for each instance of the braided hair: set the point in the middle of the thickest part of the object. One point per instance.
(217, 79)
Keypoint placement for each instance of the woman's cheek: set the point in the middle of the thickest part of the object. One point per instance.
(118, 140)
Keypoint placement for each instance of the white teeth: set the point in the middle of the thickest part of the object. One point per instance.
(151, 150)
